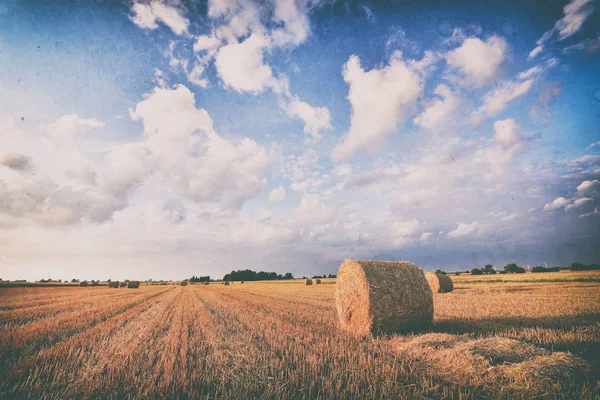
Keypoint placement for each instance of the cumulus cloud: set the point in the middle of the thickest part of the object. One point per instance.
(586, 186)
(557, 203)
(316, 119)
(277, 195)
(578, 203)
(381, 99)
(439, 109)
(507, 144)
(146, 16)
(203, 167)
(465, 229)
(478, 61)
(241, 65)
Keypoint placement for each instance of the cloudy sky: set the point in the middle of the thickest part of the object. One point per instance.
(160, 139)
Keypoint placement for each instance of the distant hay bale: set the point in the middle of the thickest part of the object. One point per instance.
(317, 281)
(226, 283)
(206, 283)
(183, 283)
(439, 283)
(241, 282)
(308, 282)
(133, 284)
(123, 284)
(113, 284)
(375, 297)
(94, 283)
(84, 283)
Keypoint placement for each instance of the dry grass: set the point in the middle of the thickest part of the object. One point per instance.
(257, 340)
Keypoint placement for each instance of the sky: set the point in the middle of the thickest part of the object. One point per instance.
(164, 139)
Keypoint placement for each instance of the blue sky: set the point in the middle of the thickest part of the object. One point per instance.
(168, 138)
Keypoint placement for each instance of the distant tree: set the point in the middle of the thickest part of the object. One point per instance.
(199, 279)
(74, 280)
(539, 268)
(513, 268)
(332, 276)
(439, 271)
(457, 273)
(489, 269)
(476, 271)
(288, 276)
(108, 280)
(249, 275)
(576, 266)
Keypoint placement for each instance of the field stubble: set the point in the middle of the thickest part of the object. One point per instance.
(259, 340)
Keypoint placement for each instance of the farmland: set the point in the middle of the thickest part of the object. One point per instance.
(511, 336)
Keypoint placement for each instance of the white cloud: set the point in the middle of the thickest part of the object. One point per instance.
(204, 168)
(496, 101)
(506, 133)
(478, 61)
(425, 236)
(316, 119)
(596, 144)
(296, 26)
(575, 14)
(535, 52)
(465, 229)
(241, 65)
(146, 15)
(533, 71)
(578, 203)
(439, 110)
(277, 195)
(586, 186)
(507, 144)
(557, 203)
(381, 99)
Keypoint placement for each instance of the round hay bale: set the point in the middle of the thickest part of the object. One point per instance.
(439, 283)
(133, 284)
(183, 283)
(123, 284)
(308, 282)
(317, 281)
(226, 283)
(378, 297)
(206, 283)
(84, 283)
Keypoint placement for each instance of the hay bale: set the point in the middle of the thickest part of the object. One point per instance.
(183, 283)
(308, 282)
(317, 281)
(133, 284)
(123, 284)
(439, 283)
(95, 283)
(226, 283)
(206, 283)
(375, 297)
(113, 285)
(84, 283)
(241, 282)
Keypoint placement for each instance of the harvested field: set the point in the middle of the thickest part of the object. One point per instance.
(259, 340)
